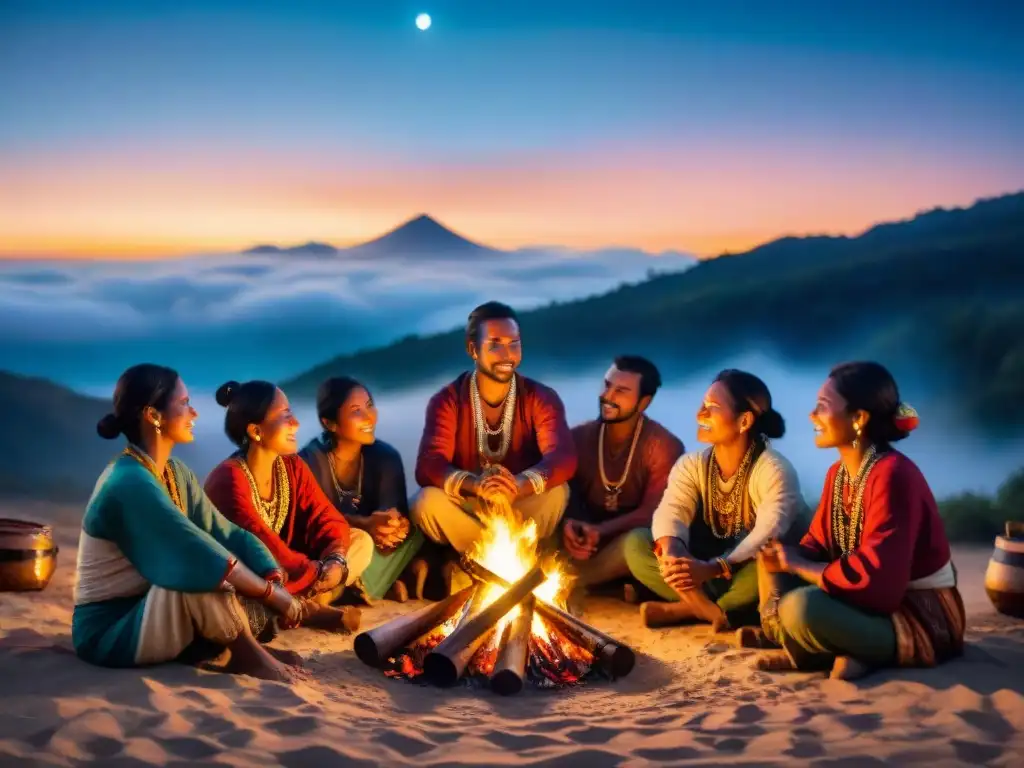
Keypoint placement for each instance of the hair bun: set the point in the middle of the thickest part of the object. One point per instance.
(108, 427)
(226, 392)
(771, 424)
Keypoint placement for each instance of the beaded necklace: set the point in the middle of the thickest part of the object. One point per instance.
(612, 490)
(355, 496)
(275, 510)
(724, 513)
(167, 480)
(846, 533)
(484, 432)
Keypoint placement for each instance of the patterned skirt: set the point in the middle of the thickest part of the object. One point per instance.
(930, 626)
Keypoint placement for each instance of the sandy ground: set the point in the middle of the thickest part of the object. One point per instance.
(691, 699)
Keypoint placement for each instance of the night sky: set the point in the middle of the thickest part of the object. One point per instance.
(144, 127)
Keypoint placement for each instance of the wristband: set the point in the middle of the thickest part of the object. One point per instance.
(726, 569)
(265, 597)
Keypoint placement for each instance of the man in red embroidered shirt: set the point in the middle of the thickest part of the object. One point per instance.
(625, 458)
(492, 433)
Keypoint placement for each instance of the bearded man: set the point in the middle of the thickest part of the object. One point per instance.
(492, 434)
(624, 461)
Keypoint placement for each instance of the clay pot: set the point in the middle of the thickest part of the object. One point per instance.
(28, 555)
(1004, 578)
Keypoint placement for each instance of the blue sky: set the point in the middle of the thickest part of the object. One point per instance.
(113, 110)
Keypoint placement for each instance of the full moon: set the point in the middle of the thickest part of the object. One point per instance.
(423, 21)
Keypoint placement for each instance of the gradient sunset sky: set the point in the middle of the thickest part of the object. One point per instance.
(144, 128)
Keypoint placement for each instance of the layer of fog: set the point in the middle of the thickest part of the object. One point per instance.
(952, 456)
(271, 317)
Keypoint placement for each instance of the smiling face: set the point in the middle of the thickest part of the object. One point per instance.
(499, 349)
(279, 430)
(833, 424)
(717, 420)
(620, 397)
(177, 420)
(356, 420)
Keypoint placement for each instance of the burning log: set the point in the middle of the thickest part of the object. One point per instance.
(510, 669)
(446, 663)
(617, 659)
(374, 646)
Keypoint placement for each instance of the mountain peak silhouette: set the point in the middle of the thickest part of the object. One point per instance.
(421, 235)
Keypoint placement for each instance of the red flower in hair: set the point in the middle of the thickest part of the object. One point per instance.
(906, 419)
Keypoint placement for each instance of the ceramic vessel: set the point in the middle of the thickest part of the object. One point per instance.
(1004, 578)
(28, 555)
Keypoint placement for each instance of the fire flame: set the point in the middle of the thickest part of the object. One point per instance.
(508, 548)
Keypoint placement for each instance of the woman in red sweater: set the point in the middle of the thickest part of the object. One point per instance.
(875, 584)
(267, 489)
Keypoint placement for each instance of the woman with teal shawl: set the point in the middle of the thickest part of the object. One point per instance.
(159, 568)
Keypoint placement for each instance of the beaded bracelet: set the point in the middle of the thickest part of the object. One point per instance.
(269, 591)
(726, 569)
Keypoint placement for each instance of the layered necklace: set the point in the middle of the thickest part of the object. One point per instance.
(612, 490)
(484, 433)
(275, 510)
(724, 513)
(167, 479)
(355, 496)
(849, 495)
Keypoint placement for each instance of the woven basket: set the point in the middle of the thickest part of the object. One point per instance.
(28, 555)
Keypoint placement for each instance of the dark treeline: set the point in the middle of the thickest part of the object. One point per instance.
(942, 293)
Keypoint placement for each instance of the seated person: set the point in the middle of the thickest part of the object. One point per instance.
(872, 583)
(624, 459)
(720, 508)
(160, 571)
(364, 479)
(492, 435)
(267, 489)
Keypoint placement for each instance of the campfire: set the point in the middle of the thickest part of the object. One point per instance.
(509, 627)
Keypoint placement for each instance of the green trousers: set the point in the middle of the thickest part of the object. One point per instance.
(737, 597)
(384, 570)
(815, 627)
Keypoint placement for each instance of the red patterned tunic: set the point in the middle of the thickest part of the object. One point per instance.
(656, 453)
(541, 440)
(312, 528)
(903, 538)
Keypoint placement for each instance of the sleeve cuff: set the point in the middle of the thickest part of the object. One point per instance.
(671, 527)
(536, 480)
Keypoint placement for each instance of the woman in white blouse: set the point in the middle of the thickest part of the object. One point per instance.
(721, 506)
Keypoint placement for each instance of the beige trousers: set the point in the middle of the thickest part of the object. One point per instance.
(171, 620)
(454, 521)
(607, 564)
(359, 555)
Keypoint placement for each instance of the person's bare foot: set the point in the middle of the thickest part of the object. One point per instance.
(720, 624)
(215, 664)
(416, 577)
(848, 668)
(398, 592)
(774, 661)
(344, 619)
(285, 656)
(575, 603)
(692, 606)
(753, 637)
(250, 658)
